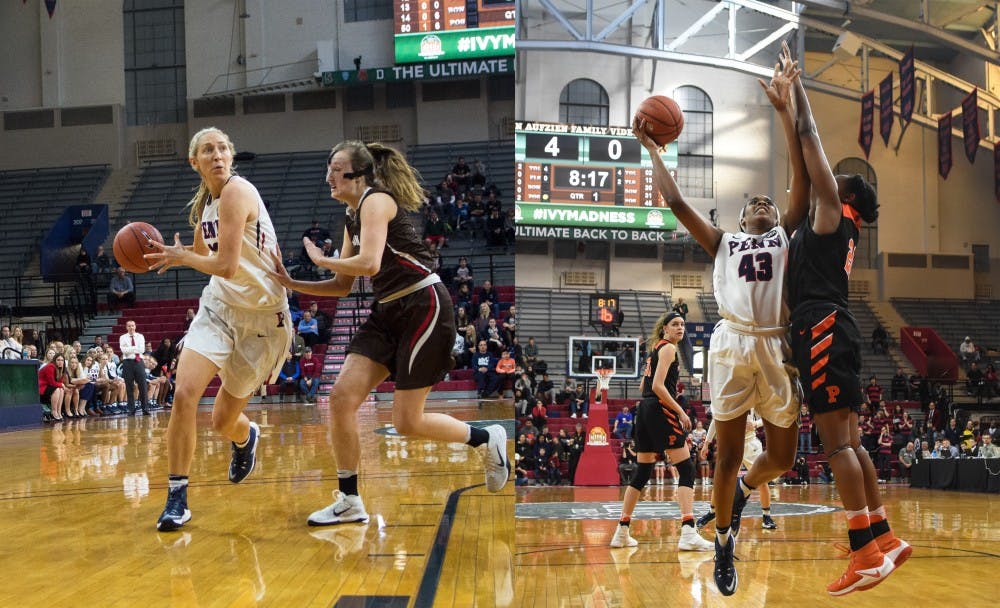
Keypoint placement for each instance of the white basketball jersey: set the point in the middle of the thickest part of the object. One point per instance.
(749, 278)
(251, 287)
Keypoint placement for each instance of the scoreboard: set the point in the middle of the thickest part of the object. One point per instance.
(444, 30)
(577, 174)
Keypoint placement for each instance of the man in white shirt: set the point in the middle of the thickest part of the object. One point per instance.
(133, 345)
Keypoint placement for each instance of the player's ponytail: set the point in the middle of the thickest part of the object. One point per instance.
(383, 167)
(202, 196)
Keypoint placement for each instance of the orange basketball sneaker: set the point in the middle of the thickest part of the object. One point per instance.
(867, 568)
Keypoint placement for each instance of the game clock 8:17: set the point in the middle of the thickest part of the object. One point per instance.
(603, 309)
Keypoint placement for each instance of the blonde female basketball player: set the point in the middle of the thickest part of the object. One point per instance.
(749, 345)
(242, 329)
(662, 426)
(411, 329)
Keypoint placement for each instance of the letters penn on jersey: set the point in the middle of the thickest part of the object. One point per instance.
(749, 278)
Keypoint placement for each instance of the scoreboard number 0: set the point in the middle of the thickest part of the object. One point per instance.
(614, 149)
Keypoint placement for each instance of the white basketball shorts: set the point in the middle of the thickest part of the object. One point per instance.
(749, 370)
(751, 450)
(248, 346)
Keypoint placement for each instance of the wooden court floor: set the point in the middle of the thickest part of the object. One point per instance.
(79, 502)
(562, 558)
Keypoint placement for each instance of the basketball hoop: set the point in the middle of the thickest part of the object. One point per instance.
(604, 378)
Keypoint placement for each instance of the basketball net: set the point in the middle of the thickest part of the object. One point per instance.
(603, 384)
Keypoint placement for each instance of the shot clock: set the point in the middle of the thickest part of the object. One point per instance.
(603, 309)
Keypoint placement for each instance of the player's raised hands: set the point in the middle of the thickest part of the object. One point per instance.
(779, 90)
(639, 130)
(167, 256)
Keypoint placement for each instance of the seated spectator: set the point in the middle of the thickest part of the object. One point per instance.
(461, 173)
(120, 290)
(546, 389)
(907, 456)
(623, 424)
(628, 462)
(460, 351)
(522, 406)
(801, 469)
(900, 388)
(164, 352)
(323, 321)
(968, 352)
(436, 230)
(288, 379)
(579, 404)
(482, 322)
(567, 391)
(520, 474)
(477, 214)
(496, 229)
(463, 301)
(494, 341)
(478, 178)
(462, 320)
(10, 348)
(516, 352)
(975, 380)
(308, 329)
(488, 295)
(462, 275)
(310, 368)
(530, 352)
(83, 262)
(509, 325)
(880, 340)
(526, 383)
(484, 366)
(505, 371)
(102, 261)
(539, 415)
(986, 448)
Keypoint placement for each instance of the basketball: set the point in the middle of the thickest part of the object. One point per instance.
(134, 241)
(664, 119)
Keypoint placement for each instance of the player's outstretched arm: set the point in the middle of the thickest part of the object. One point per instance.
(707, 235)
(365, 261)
(779, 92)
(340, 285)
(826, 217)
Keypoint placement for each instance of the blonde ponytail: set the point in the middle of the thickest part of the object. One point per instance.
(386, 168)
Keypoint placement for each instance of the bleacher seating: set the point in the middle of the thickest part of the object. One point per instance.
(31, 200)
(955, 319)
(434, 161)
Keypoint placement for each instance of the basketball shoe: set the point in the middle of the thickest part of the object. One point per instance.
(495, 458)
(690, 540)
(245, 458)
(739, 501)
(346, 509)
(705, 519)
(176, 513)
(896, 549)
(726, 578)
(622, 538)
(867, 568)
(768, 523)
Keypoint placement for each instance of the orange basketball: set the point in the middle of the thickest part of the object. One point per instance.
(134, 241)
(664, 119)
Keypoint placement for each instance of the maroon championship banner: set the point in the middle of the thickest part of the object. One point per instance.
(944, 145)
(970, 124)
(906, 86)
(885, 108)
(867, 120)
(996, 171)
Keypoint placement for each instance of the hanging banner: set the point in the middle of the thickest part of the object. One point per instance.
(867, 121)
(50, 5)
(885, 108)
(906, 87)
(996, 171)
(970, 124)
(944, 145)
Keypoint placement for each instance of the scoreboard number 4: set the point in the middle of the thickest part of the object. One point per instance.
(553, 147)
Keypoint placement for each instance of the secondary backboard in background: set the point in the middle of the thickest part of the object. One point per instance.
(587, 353)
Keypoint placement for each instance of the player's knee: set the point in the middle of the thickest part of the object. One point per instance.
(642, 472)
(727, 461)
(342, 401)
(784, 461)
(405, 425)
(685, 474)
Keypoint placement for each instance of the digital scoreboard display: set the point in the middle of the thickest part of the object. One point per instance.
(570, 175)
(446, 30)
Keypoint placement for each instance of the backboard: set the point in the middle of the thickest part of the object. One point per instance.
(588, 353)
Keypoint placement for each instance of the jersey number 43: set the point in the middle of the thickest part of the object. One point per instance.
(756, 267)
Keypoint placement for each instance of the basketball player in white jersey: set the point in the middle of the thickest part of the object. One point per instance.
(752, 449)
(749, 345)
(242, 329)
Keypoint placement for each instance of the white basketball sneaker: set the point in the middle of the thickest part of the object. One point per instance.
(346, 509)
(690, 540)
(495, 458)
(622, 538)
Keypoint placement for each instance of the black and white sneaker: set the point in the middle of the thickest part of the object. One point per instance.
(245, 458)
(176, 513)
(726, 578)
(768, 523)
(346, 509)
(739, 501)
(705, 519)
